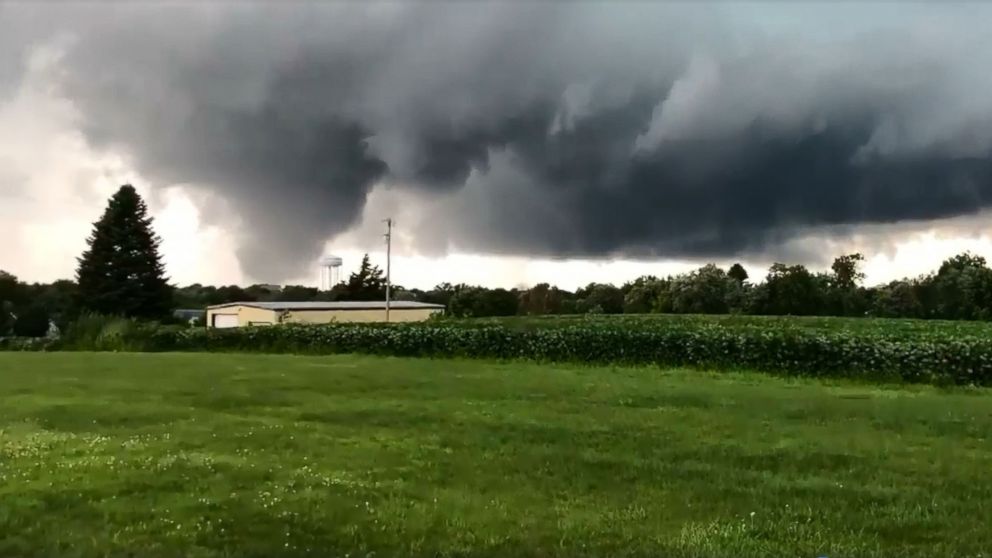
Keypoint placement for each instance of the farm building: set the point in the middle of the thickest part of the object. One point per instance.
(238, 314)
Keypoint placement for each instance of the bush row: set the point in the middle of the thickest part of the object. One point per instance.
(929, 357)
(965, 360)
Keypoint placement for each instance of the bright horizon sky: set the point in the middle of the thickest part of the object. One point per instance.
(197, 253)
(44, 247)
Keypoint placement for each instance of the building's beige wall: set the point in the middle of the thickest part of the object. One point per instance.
(327, 316)
(246, 315)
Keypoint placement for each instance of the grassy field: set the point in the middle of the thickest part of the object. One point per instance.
(247, 455)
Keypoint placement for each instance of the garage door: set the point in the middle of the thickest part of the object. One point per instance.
(225, 320)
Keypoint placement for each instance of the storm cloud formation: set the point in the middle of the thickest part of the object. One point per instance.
(562, 130)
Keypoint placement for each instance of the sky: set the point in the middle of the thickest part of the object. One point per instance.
(512, 143)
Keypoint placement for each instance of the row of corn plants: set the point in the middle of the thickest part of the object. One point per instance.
(937, 358)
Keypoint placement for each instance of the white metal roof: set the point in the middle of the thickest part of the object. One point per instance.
(342, 305)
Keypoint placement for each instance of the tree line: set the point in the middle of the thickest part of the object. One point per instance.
(121, 273)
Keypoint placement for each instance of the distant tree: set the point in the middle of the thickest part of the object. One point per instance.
(480, 302)
(121, 273)
(845, 297)
(639, 300)
(297, 293)
(58, 299)
(847, 271)
(599, 298)
(190, 296)
(398, 292)
(737, 273)
(33, 321)
(464, 303)
(337, 292)
(540, 299)
(12, 295)
(11, 289)
(441, 294)
(262, 292)
(367, 283)
(707, 290)
(961, 289)
(234, 293)
(898, 299)
(791, 290)
(960, 262)
(7, 318)
(645, 294)
(500, 302)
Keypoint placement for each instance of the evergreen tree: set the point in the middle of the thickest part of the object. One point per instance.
(367, 284)
(122, 273)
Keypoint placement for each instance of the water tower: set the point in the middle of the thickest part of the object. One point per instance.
(330, 272)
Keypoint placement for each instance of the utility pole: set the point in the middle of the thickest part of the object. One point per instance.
(389, 244)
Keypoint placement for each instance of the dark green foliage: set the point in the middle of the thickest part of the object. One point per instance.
(94, 332)
(7, 317)
(708, 290)
(844, 295)
(962, 288)
(296, 293)
(913, 354)
(599, 298)
(478, 301)
(121, 273)
(441, 294)
(367, 283)
(646, 294)
(540, 300)
(847, 271)
(200, 296)
(790, 290)
(12, 294)
(29, 302)
(58, 300)
(256, 292)
(897, 299)
(11, 290)
(737, 273)
(32, 322)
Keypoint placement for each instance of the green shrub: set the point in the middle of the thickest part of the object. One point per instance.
(95, 332)
(891, 350)
(26, 344)
(917, 358)
(82, 333)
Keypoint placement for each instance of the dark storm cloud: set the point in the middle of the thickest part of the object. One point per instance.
(563, 130)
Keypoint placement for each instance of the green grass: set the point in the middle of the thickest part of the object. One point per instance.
(247, 455)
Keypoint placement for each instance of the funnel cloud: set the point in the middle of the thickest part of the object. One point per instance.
(553, 129)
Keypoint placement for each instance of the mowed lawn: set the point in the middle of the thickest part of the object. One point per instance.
(246, 455)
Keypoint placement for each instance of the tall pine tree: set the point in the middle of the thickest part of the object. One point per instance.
(367, 284)
(122, 273)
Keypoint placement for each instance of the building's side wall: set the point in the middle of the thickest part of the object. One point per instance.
(246, 315)
(372, 315)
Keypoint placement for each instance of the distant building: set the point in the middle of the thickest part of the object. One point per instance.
(239, 314)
